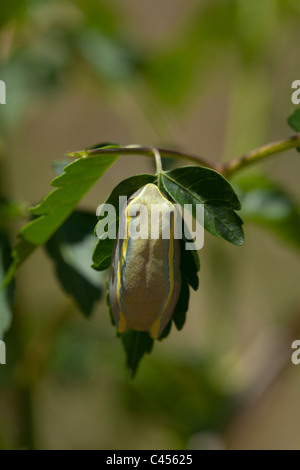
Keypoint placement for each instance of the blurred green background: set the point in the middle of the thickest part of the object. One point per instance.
(209, 77)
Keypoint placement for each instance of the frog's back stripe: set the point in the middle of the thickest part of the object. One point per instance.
(120, 268)
(155, 330)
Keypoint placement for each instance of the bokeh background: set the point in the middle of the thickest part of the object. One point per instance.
(210, 77)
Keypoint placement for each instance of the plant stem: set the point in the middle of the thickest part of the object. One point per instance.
(144, 151)
(158, 166)
(227, 169)
(233, 166)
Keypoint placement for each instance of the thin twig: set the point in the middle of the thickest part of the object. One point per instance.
(227, 169)
(143, 151)
(233, 166)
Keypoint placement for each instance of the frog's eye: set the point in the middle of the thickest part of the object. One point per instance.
(145, 273)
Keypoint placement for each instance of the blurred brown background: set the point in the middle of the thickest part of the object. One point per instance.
(209, 77)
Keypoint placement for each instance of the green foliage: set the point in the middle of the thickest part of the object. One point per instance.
(20, 253)
(182, 306)
(71, 248)
(11, 10)
(190, 265)
(66, 235)
(72, 185)
(96, 58)
(195, 185)
(136, 345)
(6, 295)
(69, 241)
(265, 203)
(294, 121)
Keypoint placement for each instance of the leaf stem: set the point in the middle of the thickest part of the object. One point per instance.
(158, 166)
(233, 166)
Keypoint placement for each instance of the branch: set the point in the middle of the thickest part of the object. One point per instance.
(144, 151)
(226, 169)
(229, 168)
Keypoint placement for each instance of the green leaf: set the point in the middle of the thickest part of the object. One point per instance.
(294, 121)
(6, 295)
(102, 145)
(166, 331)
(72, 185)
(71, 249)
(196, 185)
(267, 204)
(102, 254)
(136, 344)
(182, 306)
(103, 250)
(20, 253)
(189, 264)
(107, 298)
